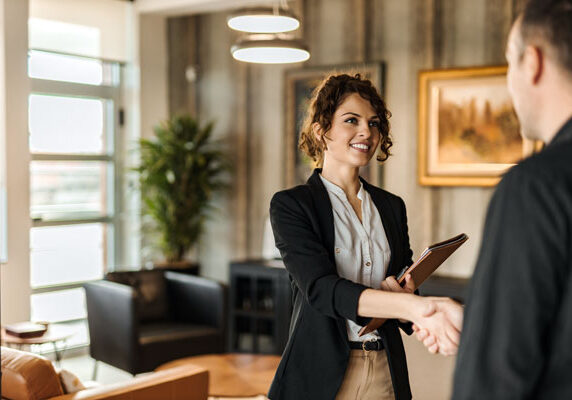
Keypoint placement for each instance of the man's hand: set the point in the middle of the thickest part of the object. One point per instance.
(439, 325)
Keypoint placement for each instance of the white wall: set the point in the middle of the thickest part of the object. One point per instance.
(14, 88)
(153, 63)
(2, 174)
(110, 17)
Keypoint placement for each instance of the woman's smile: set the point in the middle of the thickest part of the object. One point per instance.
(361, 147)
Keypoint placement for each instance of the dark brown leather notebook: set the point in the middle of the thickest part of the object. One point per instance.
(430, 260)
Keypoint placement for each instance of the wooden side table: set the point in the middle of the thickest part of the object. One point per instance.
(234, 375)
(53, 335)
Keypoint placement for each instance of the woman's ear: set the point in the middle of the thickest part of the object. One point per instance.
(317, 131)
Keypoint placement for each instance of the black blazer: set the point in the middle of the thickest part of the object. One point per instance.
(317, 353)
(517, 326)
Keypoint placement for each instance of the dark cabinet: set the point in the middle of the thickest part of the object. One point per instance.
(436, 285)
(260, 307)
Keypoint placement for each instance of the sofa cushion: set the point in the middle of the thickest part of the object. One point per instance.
(70, 382)
(171, 331)
(27, 376)
(151, 289)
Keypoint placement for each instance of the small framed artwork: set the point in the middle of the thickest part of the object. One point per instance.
(299, 86)
(468, 132)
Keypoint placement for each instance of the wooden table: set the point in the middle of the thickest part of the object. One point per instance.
(234, 375)
(53, 335)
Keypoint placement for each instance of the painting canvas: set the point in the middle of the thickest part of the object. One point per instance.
(468, 132)
(300, 84)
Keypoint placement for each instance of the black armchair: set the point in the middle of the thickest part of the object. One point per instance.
(139, 320)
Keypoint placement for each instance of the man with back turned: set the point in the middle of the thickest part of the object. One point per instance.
(517, 333)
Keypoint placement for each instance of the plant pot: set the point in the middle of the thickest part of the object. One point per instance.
(182, 266)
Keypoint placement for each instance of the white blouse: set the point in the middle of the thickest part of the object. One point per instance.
(361, 248)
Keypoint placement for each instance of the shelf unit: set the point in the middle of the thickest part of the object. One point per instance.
(260, 307)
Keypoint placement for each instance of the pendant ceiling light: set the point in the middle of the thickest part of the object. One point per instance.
(267, 43)
(263, 20)
(270, 49)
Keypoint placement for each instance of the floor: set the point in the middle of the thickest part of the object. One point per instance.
(82, 367)
(430, 375)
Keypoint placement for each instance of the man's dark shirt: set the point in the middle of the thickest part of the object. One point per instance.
(517, 334)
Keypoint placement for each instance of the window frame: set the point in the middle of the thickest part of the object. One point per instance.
(113, 157)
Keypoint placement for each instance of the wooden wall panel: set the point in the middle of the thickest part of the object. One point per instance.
(182, 34)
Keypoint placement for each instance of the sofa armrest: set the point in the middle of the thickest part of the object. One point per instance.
(112, 320)
(27, 376)
(179, 383)
(197, 300)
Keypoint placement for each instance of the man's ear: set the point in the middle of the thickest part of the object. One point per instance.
(534, 64)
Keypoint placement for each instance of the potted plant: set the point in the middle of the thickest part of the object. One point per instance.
(180, 171)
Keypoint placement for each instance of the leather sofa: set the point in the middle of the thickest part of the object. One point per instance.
(27, 376)
(139, 320)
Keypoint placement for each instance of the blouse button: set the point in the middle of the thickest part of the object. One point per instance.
(367, 264)
(338, 250)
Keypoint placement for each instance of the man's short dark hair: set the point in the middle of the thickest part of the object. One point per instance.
(550, 21)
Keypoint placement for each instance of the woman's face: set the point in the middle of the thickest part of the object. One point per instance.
(354, 135)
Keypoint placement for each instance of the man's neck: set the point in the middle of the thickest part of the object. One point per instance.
(557, 109)
(553, 126)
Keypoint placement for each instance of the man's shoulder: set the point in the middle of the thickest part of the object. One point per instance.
(549, 171)
(549, 165)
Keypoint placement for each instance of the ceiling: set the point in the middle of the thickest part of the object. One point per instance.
(187, 7)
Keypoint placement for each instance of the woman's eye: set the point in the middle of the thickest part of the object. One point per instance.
(374, 124)
(351, 120)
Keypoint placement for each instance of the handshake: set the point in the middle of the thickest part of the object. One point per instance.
(439, 325)
(437, 321)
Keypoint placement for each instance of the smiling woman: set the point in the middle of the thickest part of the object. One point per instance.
(342, 241)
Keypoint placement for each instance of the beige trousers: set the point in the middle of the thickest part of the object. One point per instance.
(367, 377)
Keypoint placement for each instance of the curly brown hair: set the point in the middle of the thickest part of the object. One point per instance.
(326, 99)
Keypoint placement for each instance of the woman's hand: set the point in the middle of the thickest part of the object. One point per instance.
(390, 285)
(439, 325)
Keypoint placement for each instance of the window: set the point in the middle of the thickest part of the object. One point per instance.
(73, 116)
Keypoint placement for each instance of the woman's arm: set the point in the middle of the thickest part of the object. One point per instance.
(308, 261)
(309, 264)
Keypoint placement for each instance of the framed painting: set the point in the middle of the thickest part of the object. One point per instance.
(299, 85)
(468, 132)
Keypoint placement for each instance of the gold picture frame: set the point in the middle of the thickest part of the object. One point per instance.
(468, 132)
(299, 85)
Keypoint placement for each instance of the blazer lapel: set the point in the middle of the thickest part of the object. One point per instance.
(389, 224)
(323, 211)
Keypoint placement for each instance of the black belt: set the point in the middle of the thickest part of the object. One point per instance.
(368, 345)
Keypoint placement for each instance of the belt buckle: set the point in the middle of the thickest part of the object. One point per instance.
(367, 341)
